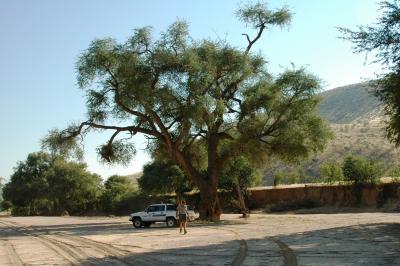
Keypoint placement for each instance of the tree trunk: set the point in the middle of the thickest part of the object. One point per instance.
(241, 203)
(209, 207)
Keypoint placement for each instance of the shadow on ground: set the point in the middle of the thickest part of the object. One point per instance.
(370, 244)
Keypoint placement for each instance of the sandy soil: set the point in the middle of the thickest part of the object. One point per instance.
(262, 239)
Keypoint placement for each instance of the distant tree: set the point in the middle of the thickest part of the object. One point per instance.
(185, 93)
(28, 185)
(383, 39)
(116, 188)
(160, 177)
(360, 170)
(72, 187)
(331, 172)
(46, 185)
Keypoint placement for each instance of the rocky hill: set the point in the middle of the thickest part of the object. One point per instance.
(350, 103)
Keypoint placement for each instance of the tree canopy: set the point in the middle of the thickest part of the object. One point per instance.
(160, 177)
(383, 40)
(43, 185)
(116, 188)
(196, 98)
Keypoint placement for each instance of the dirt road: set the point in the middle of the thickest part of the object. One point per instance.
(301, 239)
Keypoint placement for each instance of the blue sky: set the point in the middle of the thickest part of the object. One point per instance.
(41, 41)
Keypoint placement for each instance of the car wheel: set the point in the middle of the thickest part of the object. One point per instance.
(147, 225)
(171, 222)
(137, 222)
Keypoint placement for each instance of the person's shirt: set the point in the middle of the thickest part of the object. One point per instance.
(182, 209)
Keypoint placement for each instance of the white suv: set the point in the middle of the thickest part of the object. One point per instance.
(158, 213)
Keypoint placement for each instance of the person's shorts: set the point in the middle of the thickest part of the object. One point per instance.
(182, 217)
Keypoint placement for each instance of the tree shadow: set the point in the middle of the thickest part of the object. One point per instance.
(369, 244)
(366, 244)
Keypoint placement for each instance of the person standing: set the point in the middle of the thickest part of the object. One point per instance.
(182, 214)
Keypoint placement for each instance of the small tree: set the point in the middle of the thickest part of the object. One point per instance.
(331, 172)
(238, 176)
(160, 177)
(360, 170)
(116, 188)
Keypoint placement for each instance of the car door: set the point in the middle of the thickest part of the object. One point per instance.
(160, 213)
(149, 213)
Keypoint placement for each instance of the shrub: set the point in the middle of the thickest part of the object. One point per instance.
(360, 170)
(394, 172)
(331, 172)
(278, 179)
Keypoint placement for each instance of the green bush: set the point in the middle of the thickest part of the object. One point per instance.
(293, 177)
(394, 172)
(359, 170)
(331, 172)
(279, 177)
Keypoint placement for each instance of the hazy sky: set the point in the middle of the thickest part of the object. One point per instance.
(40, 42)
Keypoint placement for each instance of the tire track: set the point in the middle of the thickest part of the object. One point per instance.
(111, 251)
(77, 249)
(289, 256)
(12, 254)
(243, 248)
(60, 250)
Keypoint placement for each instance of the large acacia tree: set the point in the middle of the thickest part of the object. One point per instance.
(196, 98)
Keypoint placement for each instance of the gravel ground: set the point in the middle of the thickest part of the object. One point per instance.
(263, 239)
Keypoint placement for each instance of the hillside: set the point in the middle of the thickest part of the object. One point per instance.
(357, 122)
(349, 103)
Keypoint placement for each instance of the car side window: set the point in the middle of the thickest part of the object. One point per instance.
(160, 208)
(171, 208)
(151, 209)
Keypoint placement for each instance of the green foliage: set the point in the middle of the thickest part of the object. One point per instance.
(292, 177)
(331, 172)
(6, 205)
(279, 178)
(254, 14)
(72, 188)
(394, 171)
(161, 177)
(44, 185)
(360, 170)
(383, 40)
(239, 172)
(116, 189)
(63, 143)
(117, 151)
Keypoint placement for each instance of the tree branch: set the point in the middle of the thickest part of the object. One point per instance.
(261, 28)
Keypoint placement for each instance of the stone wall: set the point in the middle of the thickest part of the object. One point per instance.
(325, 195)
